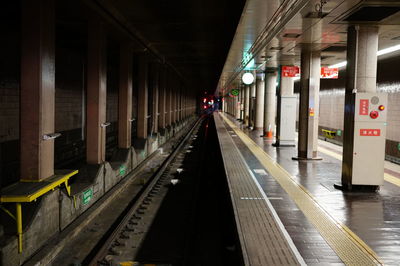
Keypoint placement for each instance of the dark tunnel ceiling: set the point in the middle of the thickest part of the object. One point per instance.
(194, 36)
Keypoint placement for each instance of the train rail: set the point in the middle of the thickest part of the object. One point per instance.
(130, 227)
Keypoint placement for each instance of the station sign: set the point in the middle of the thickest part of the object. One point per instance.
(290, 71)
(329, 73)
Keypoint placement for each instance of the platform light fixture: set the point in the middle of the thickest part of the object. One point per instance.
(248, 78)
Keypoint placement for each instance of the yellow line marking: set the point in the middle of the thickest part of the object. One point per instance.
(347, 245)
(387, 177)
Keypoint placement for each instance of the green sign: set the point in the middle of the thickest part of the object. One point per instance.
(122, 170)
(338, 133)
(87, 196)
(235, 92)
(398, 146)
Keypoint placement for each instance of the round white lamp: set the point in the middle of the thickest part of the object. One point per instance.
(247, 78)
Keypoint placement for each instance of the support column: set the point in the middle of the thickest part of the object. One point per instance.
(238, 104)
(363, 152)
(125, 97)
(142, 97)
(252, 108)
(96, 94)
(242, 93)
(246, 105)
(260, 88)
(37, 90)
(286, 114)
(162, 99)
(154, 86)
(309, 104)
(168, 101)
(270, 102)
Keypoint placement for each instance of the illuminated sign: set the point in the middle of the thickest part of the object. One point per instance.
(290, 71)
(329, 73)
(364, 105)
(370, 132)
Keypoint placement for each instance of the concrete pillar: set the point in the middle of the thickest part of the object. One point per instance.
(173, 102)
(270, 102)
(125, 97)
(168, 100)
(260, 89)
(237, 105)
(242, 93)
(286, 114)
(252, 108)
(246, 105)
(162, 123)
(142, 97)
(37, 90)
(361, 72)
(154, 86)
(96, 94)
(309, 104)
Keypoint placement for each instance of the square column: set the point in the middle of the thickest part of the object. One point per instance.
(96, 94)
(286, 114)
(247, 105)
(309, 104)
(270, 102)
(364, 133)
(260, 89)
(168, 101)
(142, 97)
(162, 123)
(37, 90)
(125, 97)
(154, 86)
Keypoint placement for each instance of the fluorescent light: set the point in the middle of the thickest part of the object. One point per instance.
(296, 78)
(389, 50)
(379, 53)
(339, 65)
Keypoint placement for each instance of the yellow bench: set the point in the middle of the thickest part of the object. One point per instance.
(30, 191)
(330, 134)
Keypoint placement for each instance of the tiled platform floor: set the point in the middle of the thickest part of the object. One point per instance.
(373, 217)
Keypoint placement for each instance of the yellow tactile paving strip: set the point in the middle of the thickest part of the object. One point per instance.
(347, 245)
(387, 177)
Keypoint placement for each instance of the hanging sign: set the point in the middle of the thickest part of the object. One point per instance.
(329, 73)
(290, 71)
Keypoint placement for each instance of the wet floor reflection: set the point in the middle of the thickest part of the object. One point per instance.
(374, 217)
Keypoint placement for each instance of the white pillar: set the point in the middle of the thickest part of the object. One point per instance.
(260, 87)
(269, 103)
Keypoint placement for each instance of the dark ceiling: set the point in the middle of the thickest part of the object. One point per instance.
(194, 36)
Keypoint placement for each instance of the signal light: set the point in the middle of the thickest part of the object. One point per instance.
(381, 107)
(204, 100)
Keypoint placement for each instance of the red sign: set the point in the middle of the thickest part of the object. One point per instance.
(329, 73)
(370, 132)
(290, 71)
(364, 105)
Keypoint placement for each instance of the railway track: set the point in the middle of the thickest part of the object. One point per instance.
(123, 239)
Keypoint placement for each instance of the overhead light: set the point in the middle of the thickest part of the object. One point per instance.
(339, 65)
(389, 50)
(247, 78)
